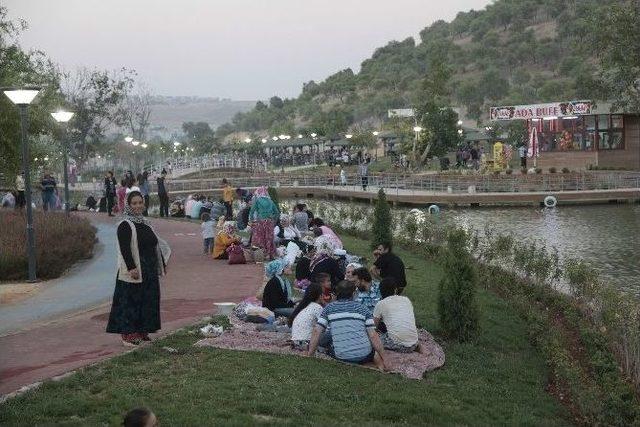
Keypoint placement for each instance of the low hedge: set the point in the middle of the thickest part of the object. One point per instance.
(60, 243)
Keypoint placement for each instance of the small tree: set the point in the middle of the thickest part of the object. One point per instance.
(457, 306)
(273, 193)
(382, 221)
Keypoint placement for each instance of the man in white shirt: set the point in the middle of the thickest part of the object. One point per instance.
(396, 311)
(522, 152)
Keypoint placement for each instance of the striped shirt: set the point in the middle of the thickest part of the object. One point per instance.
(348, 322)
(371, 297)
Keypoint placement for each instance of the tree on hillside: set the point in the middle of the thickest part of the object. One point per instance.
(276, 102)
(613, 35)
(136, 111)
(97, 98)
(200, 135)
(433, 114)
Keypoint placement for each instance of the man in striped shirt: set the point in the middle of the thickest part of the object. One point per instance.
(351, 328)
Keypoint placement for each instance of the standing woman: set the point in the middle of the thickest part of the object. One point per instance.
(263, 214)
(135, 311)
(143, 183)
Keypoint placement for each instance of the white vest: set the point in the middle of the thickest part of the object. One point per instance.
(123, 271)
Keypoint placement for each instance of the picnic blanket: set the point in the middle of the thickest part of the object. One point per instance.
(244, 336)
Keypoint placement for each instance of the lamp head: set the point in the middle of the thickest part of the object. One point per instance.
(22, 96)
(62, 116)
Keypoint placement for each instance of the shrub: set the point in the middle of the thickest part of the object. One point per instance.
(457, 307)
(382, 221)
(565, 170)
(496, 172)
(273, 193)
(523, 171)
(509, 171)
(60, 242)
(552, 169)
(538, 170)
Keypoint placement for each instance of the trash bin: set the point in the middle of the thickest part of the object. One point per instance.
(444, 163)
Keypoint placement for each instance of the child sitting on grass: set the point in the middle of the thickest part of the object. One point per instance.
(208, 233)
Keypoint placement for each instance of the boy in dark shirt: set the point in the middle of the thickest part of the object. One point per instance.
(388, 264)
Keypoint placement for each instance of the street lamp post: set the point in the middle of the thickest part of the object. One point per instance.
(64, 117)
(22, 98)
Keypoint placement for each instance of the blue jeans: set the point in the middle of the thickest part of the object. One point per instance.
(208, 245)
(48, 200)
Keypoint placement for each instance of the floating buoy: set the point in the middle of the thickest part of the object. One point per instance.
(550, 202)
(434, 210)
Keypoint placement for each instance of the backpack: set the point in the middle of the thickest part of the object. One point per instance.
(236, 254)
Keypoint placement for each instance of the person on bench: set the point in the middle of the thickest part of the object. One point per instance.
(352, 337)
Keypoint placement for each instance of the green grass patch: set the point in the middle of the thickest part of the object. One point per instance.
(498, 379)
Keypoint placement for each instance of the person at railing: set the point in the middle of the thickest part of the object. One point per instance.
(263, 215)
(163, 195)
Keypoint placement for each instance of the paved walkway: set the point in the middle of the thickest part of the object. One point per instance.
(72, 340)
(87, 284)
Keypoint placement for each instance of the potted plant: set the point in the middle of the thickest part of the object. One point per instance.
(552, 169)
(538, 171)
(565, 170)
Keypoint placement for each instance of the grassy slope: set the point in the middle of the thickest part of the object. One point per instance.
(499, 380)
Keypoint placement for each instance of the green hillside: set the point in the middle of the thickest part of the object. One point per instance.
(513, 51)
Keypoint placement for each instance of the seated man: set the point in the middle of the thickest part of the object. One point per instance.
(351, 328)
(396, 312)
(91, 203)
(368, 292)
(388, 264)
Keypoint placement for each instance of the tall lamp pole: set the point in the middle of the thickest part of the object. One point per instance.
(22, 98)
(63, 117)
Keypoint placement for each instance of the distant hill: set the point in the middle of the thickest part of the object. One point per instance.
(511, 52)
(169, 112)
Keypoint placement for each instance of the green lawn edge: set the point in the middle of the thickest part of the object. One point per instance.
(498, 379)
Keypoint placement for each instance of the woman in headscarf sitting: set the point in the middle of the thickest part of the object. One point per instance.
(277, 295)
(285, 232)
(324, 262)
(225, 238)
(326, 231)
(263, 215)
(135, 311)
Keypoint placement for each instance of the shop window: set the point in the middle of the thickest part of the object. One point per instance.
(617, 121)
(590, 122)
(603, 122)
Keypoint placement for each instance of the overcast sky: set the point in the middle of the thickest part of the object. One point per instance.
(239, 49)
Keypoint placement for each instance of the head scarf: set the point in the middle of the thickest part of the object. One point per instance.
(354, 265)
(275, 267)
(324, 245)
(228, 227)
(129, 215)
(261, 192)
(324, 249)
(285, 218)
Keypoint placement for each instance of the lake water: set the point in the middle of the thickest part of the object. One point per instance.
(605, 236)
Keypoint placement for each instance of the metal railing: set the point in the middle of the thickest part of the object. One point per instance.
(439, 183)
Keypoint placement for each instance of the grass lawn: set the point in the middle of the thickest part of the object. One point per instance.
(498, 380)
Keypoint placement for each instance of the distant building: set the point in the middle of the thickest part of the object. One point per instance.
(577, 134)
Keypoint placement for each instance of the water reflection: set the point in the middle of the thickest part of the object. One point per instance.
(606, 236)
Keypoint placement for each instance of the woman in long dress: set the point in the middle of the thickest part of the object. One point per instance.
(135, 311)
(263, 214)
